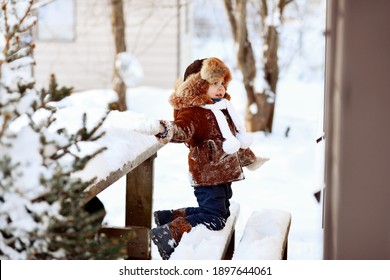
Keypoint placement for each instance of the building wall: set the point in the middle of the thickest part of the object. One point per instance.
(357, 222)
(152, 32)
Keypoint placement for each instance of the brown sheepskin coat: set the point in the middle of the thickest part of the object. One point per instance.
(198, 129)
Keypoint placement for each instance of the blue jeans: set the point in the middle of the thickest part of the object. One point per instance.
(213, 209)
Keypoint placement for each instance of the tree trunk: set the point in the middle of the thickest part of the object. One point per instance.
(118, 30)
(271, 75)
(245, 57)
(260, 106)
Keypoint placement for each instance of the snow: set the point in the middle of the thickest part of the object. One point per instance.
(129, 68)
(121, 139)
(199, 240)
(253, 108)
(263, 237)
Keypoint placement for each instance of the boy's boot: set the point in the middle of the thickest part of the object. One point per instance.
(168, 236)
(166, 216)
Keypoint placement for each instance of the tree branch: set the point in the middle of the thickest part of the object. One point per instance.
(232, 19)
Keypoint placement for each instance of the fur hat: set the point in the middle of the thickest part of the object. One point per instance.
(192, 90)
(210, 69)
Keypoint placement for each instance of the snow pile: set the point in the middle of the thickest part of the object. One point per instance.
(263, 236)
(203, 244)
(129, 69)
(122, 141)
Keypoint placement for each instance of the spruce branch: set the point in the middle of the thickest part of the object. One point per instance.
(11, 33)
(20, 52)
(88, 135)
(6, 119)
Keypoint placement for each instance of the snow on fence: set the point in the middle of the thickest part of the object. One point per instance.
(265, 236)
(203, 244)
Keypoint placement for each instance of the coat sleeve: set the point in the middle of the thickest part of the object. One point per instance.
(180, 130)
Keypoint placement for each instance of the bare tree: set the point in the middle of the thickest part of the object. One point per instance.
(118, 30)
(260, 106)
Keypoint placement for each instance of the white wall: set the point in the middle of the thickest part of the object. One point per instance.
(87, 61)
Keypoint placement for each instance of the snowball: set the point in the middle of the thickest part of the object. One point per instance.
(129, 68)
(231, 145)
(245, 139)
(253, 109)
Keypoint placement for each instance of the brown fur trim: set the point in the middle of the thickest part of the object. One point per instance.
(178, 227)
(181, 212)
(214, 68)
(177, 84)
(169, 127)
(190, 93)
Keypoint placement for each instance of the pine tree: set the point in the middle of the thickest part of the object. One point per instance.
(54, 93)
(42, 209)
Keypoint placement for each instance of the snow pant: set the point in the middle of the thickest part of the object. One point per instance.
(213, 209)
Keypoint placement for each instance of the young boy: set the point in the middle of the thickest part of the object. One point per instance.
(207, 123)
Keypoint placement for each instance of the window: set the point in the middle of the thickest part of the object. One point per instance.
(56, 21)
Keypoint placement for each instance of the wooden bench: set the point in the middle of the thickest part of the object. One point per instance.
(265, 236)
(139, 199)
(201, 243)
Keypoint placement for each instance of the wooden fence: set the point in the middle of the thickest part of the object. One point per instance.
(139, 202)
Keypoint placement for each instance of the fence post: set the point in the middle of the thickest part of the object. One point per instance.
(139, 199)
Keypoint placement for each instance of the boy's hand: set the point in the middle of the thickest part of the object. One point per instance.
(149, 127)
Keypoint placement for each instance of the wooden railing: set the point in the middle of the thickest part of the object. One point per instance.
(139, 200)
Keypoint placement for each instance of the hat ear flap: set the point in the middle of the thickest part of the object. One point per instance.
(191, 92)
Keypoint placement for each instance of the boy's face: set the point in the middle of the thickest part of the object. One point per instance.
(217, 89)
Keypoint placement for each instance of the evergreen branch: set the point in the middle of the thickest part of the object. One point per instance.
(80, 164)
(4, 8)
(73, 231)
(10, 35)
(54, 94)
(7, 118)
(22, 52)
(83, 132)
(97, 137)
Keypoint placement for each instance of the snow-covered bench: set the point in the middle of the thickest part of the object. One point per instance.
(202, 244)
(265, 236)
